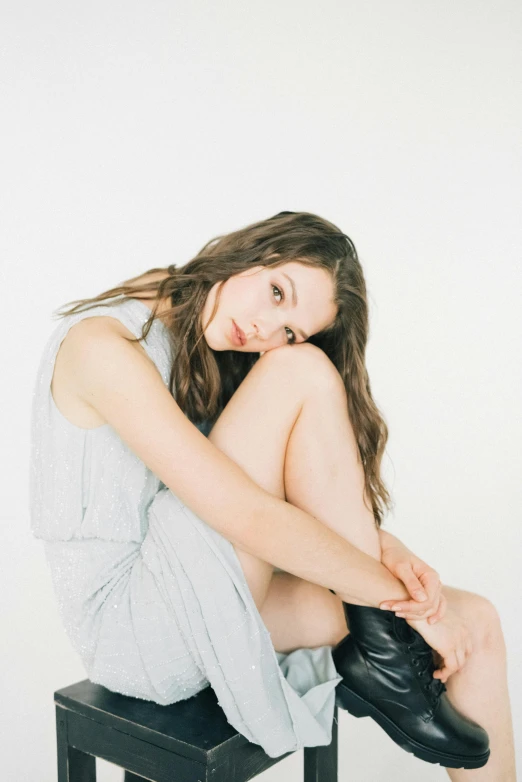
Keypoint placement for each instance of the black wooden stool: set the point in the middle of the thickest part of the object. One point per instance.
(188, 741)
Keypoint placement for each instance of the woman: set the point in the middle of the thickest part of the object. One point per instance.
(206, 477)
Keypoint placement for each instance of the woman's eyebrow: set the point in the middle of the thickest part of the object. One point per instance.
(294, 300)
(294, 293)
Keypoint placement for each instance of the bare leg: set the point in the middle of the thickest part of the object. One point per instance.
(480, 689)
(290, 432)
(287, 426)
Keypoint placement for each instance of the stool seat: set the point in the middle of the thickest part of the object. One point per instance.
(190, 740)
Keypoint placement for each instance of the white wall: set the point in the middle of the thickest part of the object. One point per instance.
(133, 132)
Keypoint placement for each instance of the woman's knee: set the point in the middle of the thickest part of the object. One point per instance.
(480, 615)
(306, 364)
(483, 619)
(491, 625)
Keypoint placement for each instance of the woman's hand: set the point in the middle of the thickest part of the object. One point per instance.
(418, 578)
(450, 638)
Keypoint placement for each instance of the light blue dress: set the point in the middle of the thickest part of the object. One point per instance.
(153, 599)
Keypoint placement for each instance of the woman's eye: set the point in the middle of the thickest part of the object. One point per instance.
(280, 292)
(291, 339)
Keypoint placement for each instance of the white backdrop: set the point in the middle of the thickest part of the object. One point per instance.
(135, 131)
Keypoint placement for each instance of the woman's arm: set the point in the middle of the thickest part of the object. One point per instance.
(387, 540)
(118, 380)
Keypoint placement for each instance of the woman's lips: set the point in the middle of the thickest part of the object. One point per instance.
(237, 335)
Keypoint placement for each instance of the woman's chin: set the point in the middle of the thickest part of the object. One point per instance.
(217, 346)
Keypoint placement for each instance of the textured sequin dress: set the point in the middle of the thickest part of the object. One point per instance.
(153, 599)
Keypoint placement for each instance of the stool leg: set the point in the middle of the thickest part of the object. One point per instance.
(73, 765)
(320, 763)
(82, 767)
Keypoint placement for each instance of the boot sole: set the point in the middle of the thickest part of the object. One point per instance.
(358, 707)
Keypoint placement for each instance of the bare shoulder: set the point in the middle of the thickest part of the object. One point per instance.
(69, 380)
(68, 376)
(97, 326)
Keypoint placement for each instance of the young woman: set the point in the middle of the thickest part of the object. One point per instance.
(205, 474)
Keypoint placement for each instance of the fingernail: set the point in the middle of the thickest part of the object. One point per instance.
(384, 608)
(395, 608)
(421, 596)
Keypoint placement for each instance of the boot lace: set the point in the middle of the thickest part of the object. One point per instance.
(422, 659)
(421, 655)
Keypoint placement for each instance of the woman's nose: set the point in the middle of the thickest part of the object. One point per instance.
(254, 333)
(262, 330)
(265, 329)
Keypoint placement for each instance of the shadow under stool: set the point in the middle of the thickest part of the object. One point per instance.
(187, 741)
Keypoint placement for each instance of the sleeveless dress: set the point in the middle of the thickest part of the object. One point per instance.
(152, 598)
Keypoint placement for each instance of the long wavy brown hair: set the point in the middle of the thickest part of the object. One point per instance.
(203, 380)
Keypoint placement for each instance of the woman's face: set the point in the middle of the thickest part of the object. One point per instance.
(261, 303)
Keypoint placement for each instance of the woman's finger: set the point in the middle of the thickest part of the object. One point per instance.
(430, 584)
(412, 615)
(450, 665)
(412, 583)
(441, 610)
(421, 613)
(429, 578)
(412, 607)
(439, 614)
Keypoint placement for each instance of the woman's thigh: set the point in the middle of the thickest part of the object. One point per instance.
(254, 428)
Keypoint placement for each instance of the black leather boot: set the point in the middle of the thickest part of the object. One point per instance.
(387, 669)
